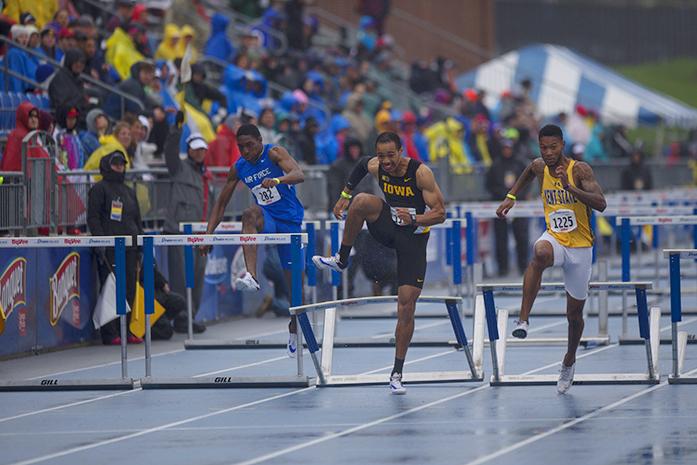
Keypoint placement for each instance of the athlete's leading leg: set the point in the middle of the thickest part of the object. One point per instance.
(252, 223)
(542, 259)
(364, 207)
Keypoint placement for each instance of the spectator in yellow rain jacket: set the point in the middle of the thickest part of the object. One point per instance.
(188, 37)
(118, 141)
(446, 139)
(170, 45)
(42, 10)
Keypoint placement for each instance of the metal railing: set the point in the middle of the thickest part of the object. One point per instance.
(123, 96)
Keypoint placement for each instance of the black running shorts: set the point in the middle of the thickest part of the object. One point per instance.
(410, 247)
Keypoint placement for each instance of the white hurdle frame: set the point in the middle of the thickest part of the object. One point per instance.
(679, 338)
(235, 227)
(323, 367)
(497, 324)
(149, 242)
(119, 243)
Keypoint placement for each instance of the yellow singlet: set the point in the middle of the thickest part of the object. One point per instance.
(568, 220)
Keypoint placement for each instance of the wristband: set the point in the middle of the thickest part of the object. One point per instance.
(278, 181)
(345, 195)
(511, 196)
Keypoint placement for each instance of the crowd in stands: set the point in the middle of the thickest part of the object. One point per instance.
(333, 94)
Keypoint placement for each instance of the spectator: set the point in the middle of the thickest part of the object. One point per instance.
(197, 91)
(61, 20)
(139, 37)
(188, 37)
(118, 141)
(67, 89)
(354, 113)
(636, 176)
(112, 210)
(122, 18)
(190, 201)
(41, 11)
(482, 145)
(218, 45)
(33, 45)
(27, 120)
(267, 122)
(295, 24)
(72, 151)
(307, 147)
(48, 44)
(169, 47)
(18, 60)
(95, 64)
(97, 126)
(66, 39)
(377, 10)
(499, 179)
(223, 150)
(408, 134)
(142, 75)
(85, 25)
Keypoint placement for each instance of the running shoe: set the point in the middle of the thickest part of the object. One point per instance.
(566, 378)
(328, 263)
(292, 346)
(246, 282)
(521, 329)
(396, 386)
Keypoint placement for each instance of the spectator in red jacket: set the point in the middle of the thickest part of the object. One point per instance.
(223, 150)
(27, 118)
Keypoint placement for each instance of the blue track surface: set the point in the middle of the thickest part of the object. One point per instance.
(453, 424)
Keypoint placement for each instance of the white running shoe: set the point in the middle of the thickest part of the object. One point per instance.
(521, 329)
(246, 282)
(328, 263)
(396, 386)
(566, 378)
(292, 346)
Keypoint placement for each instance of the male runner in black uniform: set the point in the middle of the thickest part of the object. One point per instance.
(413, 202)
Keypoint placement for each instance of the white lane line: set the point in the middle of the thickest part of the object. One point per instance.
(185, 421)
(268, 333)
(418, 328)
(329, 437)
(62, 406)
(224, 370)
(74, 450)
(108, 396)
(569, 424)
(682, 323)
(102, 365)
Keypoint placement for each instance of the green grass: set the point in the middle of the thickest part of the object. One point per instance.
(677, 78)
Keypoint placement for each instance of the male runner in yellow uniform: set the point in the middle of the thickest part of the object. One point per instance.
(568, 190)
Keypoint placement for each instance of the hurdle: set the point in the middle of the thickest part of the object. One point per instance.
(679, 338)
(497, 323)
(235, 227)
(453, 254)
(149, 242)
(625, 223)
(323, 367)
(119, 243)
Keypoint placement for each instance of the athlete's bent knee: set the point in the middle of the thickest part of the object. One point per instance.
(543, 257)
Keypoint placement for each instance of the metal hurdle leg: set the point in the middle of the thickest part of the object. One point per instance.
(644, 329)
(456, 322)
(492, 327)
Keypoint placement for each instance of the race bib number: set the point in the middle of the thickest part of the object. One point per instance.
(562, 221)
(116, 210)
(266, 196)
(397, 220)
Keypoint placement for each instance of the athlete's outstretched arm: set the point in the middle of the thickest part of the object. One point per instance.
(218, 210)
(432, 196)
(293, 174)
(531, 172)
(589, 191)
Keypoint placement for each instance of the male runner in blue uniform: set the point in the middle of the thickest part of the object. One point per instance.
(413, 202)
(271, 174)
